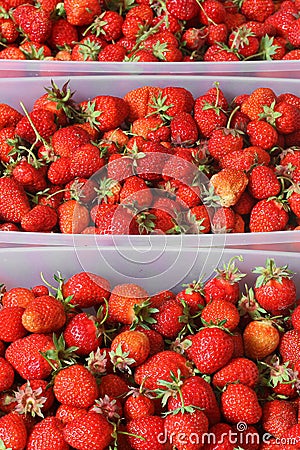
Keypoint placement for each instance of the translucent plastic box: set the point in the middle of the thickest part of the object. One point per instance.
(282, 69)
(14, 90)
(155, 269)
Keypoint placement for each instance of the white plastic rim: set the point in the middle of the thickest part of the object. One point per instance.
(21, 267)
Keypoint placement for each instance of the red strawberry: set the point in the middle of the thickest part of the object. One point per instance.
(254, 105)
(257, 10)
(209, 115)
(75, 386)
(212, 11)
(13, 432)
(289, 347)
(278, 416)
(81, 13)
(240, 403)
(221, 311)
(39, 219)
(32, 178)
(136, 191)
(25, 356)
(72, 217)
(34, 22)
(169, 319)
(129, 348)
(44, 314)
(183, 9)
(86, 161)
(7, 375)
(17, 297)
(86, 289)
(184, 129)
(268, 215)
(274, 289)
(190, 424)
(261, 339)
(82, 332)
(146, 433)
(43, 121)
(11, 327)
(263, 183)
(225, 285)
(47, 435)
(113, 53)
(241, 370)
(59, 172)
(197, 392)
(14, 203)
(67, 140)
(113, 386)
(63, 33)
(262, 134)
(125, 303)
(108, 112)
(89, 432)
(159, 367)
(223, 141)
(211, 349)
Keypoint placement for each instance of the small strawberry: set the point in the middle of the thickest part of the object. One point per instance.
(229, 185)
(224, 141)
(129, 349)
(113, 53)
(160, 367)
(268, 215)
(11, 327)
(44, 314)
(106, 112)
(83, 331)
(47, 435)
(72, 217)
(221, 311)
(86, 161)
(146, 433)
(240, 403)
(262, 134)
(225, 285)
(183, 129)
(274, 289)
(81, 13)
(41, 218)
(193, 296)
(59, 171)
(211, 349)
(253, 106)
(14, 203)
(75, 386)
(13, 433)
(241, 370)
(261, 339)
(25, 356)
(136, 191)
(63, 33)
(68, 139)
(127, 303)
(209, 115)
(17, 297)
(263, 183)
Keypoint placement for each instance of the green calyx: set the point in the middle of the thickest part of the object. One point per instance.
(271, 272)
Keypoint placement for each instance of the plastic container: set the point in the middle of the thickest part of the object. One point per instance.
(13, 90)
(155, 269)
(282, 69)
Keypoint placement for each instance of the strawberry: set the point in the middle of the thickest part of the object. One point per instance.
(11, 327)
(224, 220)
(225, 285)
(75, 386)
(14, 203)
(25, 356)
(67, 140)
(59, 172)
(46, 435)
(112, 52)
(44, 314)
(17, 297)
(261, 339)
(263, 183)
(217, 33)
(218, 53)
(86, 161)
(89, 432)
(34, 397)
(221, 311)
(170, 318)
(66, 413)
(197, 392)
(212, 11)
(12, 52)
(129, 348)
(115, 219)
(13, 432)
(278, 416)
(146, 432)
(140, 101)
(35, 23)
(209, 115)
(108, 25)
(107, 111)
(289, 56)
(80, 189)
(160, 367)
(289, 346)
(288, 120)
(83, 332)
(190, 424)
(262, 134)
(182, 9)
(241, 370)
(31, 176)
(221, 432)
(138, 405)
(8, 30)
(7, 375)
(146, 125)
(126, 302)
(254, 105)
(72, 217)
(86, 289)
(223, 141)
(184, 129)
(39, 219)
(193, 296)
(268, 215)
(200, 220)
(5, 148)
(211, 349)
(229, 185)
(244, 41)
(81, 13)
(240, 403)
(119, 167)
(113, 386)
(136, 191)
(63, 33)
(274, 289)
(294, 202)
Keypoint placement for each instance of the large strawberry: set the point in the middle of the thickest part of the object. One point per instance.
(189, 425)
(13, 432)
(107, 112)
(34, 22)
(240, 403)
(47, 435)
(87, 289)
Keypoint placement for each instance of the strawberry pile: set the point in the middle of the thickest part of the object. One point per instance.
(154, 161)
(87, 367)
(150, 31)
